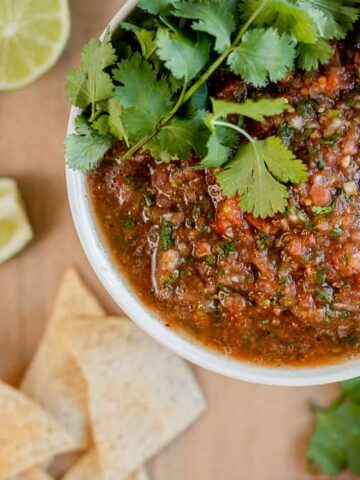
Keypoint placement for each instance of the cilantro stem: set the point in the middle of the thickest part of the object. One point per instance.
(139, 145)
(186, 95)
(178, 104)
(152, 51)
(220, 123)
(94, 115)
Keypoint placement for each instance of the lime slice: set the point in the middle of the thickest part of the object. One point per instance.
(33, 34)
(15, 230)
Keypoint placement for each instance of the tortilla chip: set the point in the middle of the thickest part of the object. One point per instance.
(87, 468)
(34, 474)
(28, 435)
(141, 396)
(53, 379)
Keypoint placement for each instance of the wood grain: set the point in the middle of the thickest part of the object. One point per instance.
(250, 432)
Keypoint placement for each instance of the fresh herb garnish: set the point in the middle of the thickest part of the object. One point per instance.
(210, 260)
(335, 442)
(337, 232)
(251, 59)
(149, 199)
(325, 295)
(214, 18)
(320, 276)
(86, 147)
(322, 210)
(226, 249)
(286, 133)
(259, 167)
(306, 108)
(311, 55)
(331, 141)
(144, 95)
(263, 241)
(165, 236)
(258, 173)
(89, 84)
(169, 281)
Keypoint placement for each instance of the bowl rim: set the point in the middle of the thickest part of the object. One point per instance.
(147, 320)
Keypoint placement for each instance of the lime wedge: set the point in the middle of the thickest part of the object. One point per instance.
(15, 230)
(33, 34)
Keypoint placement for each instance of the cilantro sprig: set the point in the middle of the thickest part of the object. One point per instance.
(312, 23)
(335, 442)
(261, 168)
(148, 87)
(90, 84)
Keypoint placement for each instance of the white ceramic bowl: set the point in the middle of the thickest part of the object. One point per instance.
(123, 295)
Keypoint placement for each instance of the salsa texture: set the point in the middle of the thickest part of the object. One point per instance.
(278, 291)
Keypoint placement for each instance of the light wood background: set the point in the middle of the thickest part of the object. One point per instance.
(250, 432)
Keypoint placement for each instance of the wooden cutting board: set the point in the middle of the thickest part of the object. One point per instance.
(250, 432)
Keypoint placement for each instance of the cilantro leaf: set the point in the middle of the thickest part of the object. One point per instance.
(77, 88)
(257, 110)
(181, 136)
(322, 210)
(335, 443)
(217, 155)
(214, 18)
(259, 193)
(219, 146)
(157, 153)
(282, 163)
(90, 84)
(310, 56)
(284, 15)
(166, 240)
(144, 37)
(333, 17)
(183, 57)
(254, 175)
(156, 7)
(116, 125)
(144, 97)
(263, 54)
(175, 83)
(199, 100)
(101, 125)
(222, 140)
(85, 148)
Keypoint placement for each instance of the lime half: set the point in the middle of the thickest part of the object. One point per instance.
(15, 230)
(33, 34)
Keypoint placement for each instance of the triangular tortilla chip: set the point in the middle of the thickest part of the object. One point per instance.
(53, 379)
(28, 435)
(87, 468)
(141, 396)
(34, 474)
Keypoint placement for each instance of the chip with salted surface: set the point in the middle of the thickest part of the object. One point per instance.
(88, 468)
(29, 436)
(53, 379)
(141, 396)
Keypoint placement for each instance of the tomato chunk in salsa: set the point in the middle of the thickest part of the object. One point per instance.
(279, 291)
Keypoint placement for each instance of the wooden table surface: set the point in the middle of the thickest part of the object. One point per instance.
(249, 432)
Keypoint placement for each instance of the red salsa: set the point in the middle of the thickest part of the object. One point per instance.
(279, 291)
